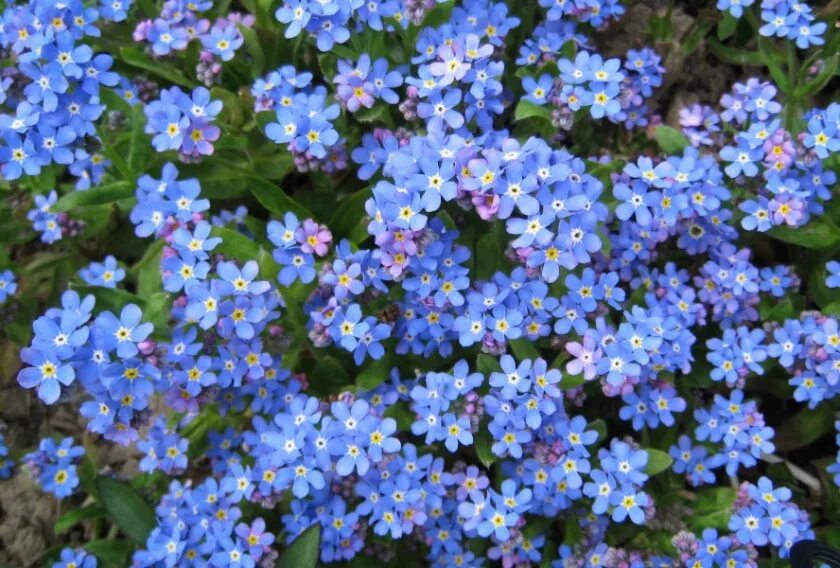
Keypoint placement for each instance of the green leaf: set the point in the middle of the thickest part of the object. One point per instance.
(660, 27)
(128, 509)
(439, 14)
(734, 56)
(726, 26)
(273, 198)
(374, 373)
(252, 42)
(94, 196)
(527, 109)
(329, 376)
(231, 113)
(273, 167)
(603, 171)
(821, 80)
(304, 551)
(712, 508)
(832, 309)
(71, 518)
(113, 101)
(220, 180)
(524, 349)
(136, 57)
(817, 234)
(671, 140)
(158, 307)
(147, 270)
(237, 246)
(485, 364)
(87, 475)
(769, 53)
(568, 381)
(148, 8)
(110, 552)
(349, 215)
(483, 442)
(822, 295)
(599, 426)
(804, 428)
(371, 115)
(692, 42)
(139, 144)
(400, 412)
(490, 252)
(111, 152)
(658, 461)
(776, 310)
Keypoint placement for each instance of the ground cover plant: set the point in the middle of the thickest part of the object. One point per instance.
(418, 282)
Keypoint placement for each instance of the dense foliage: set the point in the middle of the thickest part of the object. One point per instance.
(449, 283)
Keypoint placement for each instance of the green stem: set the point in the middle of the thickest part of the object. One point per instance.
(752, 20)
(793, 78)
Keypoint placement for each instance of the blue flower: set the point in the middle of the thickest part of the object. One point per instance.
(71, 558)
(165, 38)
(45, 372)
(8, 285)
(537, 91)
(106, 274)
(370, 341)
(122, 334)
(734, 7)
(457, 432)
(223, 41)
(315, 135)
(742, 158)
(18, 156)
(513, 379)
(627, 502)
(198, 242)
(751, 525)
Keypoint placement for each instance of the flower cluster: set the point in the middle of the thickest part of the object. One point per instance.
(75, 558)
(297, 247)
(788, 19)
(45, 221)
(54, 466)
(361, 84)
(602, 86)
(792, 20)
(809, 349)
(203, 525)
(163, 204)
(457, 81)
(163, 450)
(330, 22)
(764, 514)
(739, 430)
(180, 22)
(183, 122)
(464, 316)
(597, 14)
(56, 89)
(303, 119)
(712, 549)
(783, 175)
